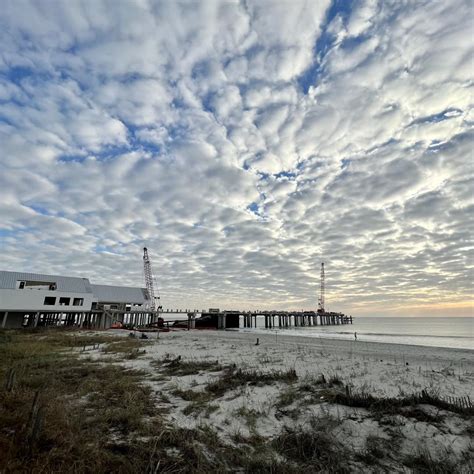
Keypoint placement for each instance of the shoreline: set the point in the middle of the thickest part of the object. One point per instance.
(442, 335)
(347, 340)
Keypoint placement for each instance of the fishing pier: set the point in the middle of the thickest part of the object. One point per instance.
(285, 319)
(227, 319)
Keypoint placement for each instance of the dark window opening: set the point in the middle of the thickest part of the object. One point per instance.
(49, 300)
(64, 301)
(36, 285)
(78, 302)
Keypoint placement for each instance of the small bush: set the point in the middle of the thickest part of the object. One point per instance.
(287, 397)
(233, 378)
(316, 447)
(423, 462)
(179, 367)
(375, 450)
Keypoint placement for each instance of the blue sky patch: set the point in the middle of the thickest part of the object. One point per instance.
(323, 44)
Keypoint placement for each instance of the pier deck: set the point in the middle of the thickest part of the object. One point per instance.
(104, 318)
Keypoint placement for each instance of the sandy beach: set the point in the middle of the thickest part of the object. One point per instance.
(231, 401)
(268, 408)
(384, 369)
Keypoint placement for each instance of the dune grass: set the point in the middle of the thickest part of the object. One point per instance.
(179, 367)
(233, 378)
(63, 411)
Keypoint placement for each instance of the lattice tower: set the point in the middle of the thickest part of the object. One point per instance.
(322, 289)
(149, 279)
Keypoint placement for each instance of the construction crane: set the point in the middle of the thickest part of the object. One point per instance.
(322, 291)
(149, 281)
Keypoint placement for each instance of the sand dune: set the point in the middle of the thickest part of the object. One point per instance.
(267, 407)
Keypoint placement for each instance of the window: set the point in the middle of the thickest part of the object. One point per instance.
(78, 302)
(36, 285)
(63, 301)
(49, 300)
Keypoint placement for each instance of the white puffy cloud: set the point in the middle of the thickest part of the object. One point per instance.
(243, 143)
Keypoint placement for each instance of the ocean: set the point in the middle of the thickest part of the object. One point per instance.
(452, 332)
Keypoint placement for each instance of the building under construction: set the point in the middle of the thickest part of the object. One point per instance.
(32, 299)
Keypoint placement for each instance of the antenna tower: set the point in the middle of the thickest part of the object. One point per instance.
(322, 290)
(149, 279)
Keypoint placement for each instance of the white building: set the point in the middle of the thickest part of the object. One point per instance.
(31, 298)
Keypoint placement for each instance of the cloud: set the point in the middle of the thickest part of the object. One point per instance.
(243, 143)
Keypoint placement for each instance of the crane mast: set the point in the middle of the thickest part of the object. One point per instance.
(149, 279)
(322, 290)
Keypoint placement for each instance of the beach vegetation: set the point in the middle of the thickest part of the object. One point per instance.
(250, 415)
(422, 461)
(375, 450)
(362, 399)
(335, 380)
(129, 348)
(233, 378)
(63, 410)
(287, 397)
(191, 395)
(179, 367)
(313, 446)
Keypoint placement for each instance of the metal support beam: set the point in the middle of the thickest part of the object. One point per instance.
(4, 320)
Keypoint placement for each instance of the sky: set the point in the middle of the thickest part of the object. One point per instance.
(243, 143)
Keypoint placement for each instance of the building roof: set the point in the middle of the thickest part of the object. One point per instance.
(104, 293)
(119, 294)
(72, 284)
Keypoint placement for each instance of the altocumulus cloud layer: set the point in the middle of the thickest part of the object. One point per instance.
(243, 143)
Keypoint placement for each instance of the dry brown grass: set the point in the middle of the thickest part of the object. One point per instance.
(233, 378)
(92, 417)
(83, 409)
(313, 448)
(179, 367)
